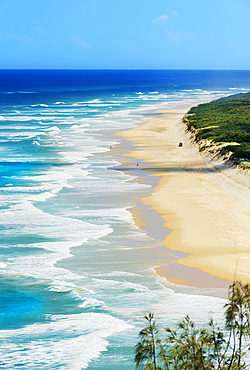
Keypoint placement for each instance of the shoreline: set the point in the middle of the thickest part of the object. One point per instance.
(195, 198)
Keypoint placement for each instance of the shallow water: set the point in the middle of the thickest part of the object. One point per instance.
(76, 273)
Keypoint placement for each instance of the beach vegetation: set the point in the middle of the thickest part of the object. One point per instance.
(148, 349)
(190, 347)
(223, 122)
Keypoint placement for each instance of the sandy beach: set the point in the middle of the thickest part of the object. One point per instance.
(203, 201)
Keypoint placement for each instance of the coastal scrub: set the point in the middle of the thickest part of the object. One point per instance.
(191, 347)
(223, 125)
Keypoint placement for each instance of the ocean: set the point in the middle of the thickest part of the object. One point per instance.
(77, 275)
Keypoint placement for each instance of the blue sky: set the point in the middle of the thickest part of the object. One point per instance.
(144, 34)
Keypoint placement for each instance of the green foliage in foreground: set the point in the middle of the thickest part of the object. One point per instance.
(225, 120)
(208, 348)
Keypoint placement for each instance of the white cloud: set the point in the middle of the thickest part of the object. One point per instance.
(160, 19)
(79, 42)
(23, 40)
(125, 44)
(174, 36)
(174, 14)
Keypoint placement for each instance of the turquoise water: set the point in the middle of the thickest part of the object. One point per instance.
(76, 273)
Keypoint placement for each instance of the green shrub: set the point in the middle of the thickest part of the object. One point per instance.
(226, 120)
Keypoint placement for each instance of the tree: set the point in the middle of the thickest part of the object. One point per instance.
(238, 318)
(146, 348)
(189, 347)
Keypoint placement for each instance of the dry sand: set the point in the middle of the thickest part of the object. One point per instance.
(205, 202)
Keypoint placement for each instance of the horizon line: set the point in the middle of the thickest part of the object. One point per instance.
(122, 69)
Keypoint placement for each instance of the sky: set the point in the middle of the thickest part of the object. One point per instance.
(125, 34)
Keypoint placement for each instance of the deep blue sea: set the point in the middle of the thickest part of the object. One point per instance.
(76, 273)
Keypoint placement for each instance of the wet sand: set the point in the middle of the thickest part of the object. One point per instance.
(201, 203)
